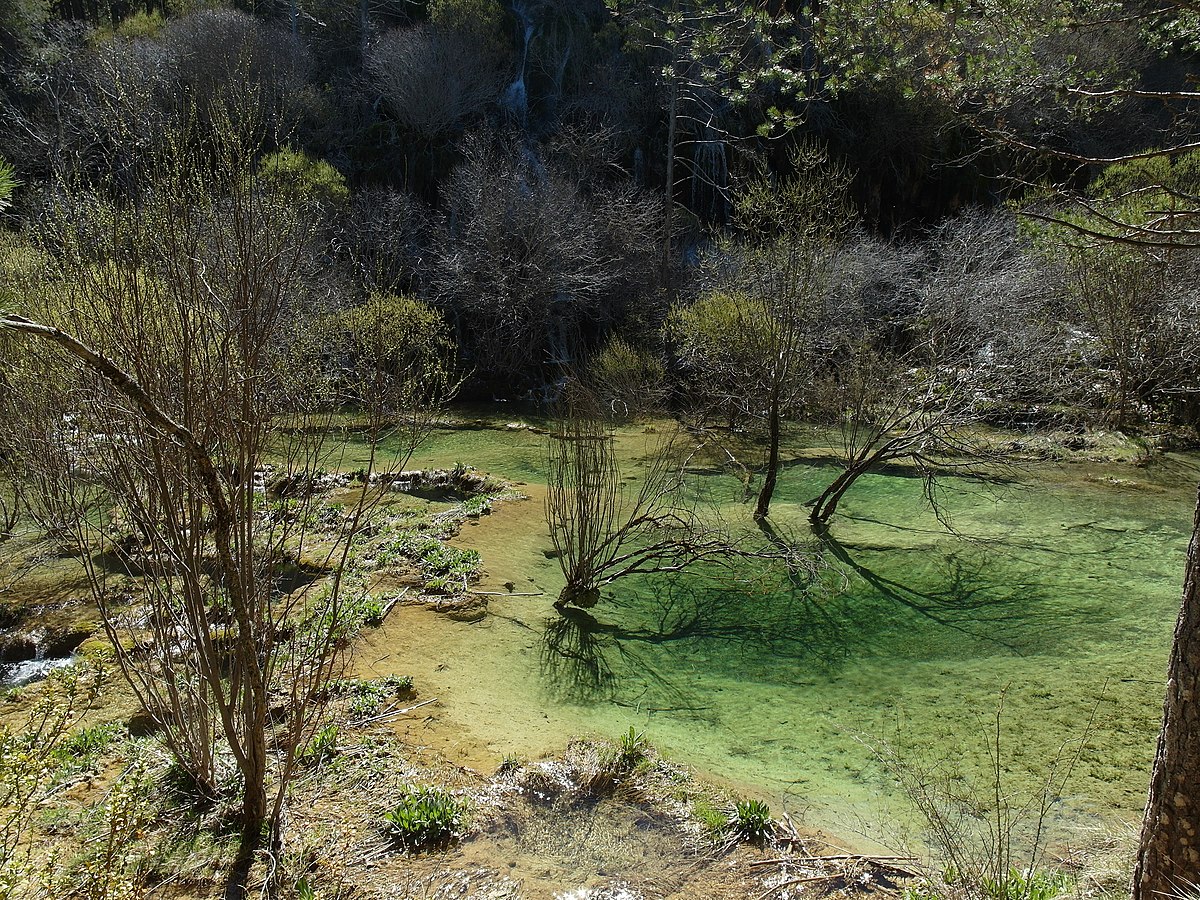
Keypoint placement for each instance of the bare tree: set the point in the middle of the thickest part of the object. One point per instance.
(100, 107)
(603, 528)
(433, 80)
(968, 337)
(535, 268)
(750, 340)
(190, 384)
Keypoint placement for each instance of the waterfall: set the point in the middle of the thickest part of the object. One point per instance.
(516, 98)
(710, 174)
(35, 666)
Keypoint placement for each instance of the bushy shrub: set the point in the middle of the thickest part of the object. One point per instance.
(631, 380)
(300, 177)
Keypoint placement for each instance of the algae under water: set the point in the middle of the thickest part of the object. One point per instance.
(1058, 590)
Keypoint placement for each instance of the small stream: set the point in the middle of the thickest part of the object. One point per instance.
(18, 674)
(29, 656)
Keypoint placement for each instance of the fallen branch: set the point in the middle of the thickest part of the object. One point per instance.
(383, 614)
(837, 858)
(507, 593)
(375, 854)
(393, 713)
(862, 857)
(791, 881)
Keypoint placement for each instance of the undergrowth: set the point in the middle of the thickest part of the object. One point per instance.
(987, 839)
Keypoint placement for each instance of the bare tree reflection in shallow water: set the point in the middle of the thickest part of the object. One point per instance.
(574, 657)
(780, 626)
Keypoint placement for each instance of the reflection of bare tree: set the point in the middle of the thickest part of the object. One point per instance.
(770, 616)
(586, 661)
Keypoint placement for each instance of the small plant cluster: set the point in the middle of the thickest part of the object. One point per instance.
(630, 750)
(367, 696)
(424, 817)
(1016, 885)
(616, 761)
(746, 820)
(321, 747)
(344, 620)
(443, 567)
(479, 505)
(82, 749)
(751, 821)
(369, 609)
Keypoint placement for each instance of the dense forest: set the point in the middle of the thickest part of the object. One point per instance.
(507, 164)
(233, 234)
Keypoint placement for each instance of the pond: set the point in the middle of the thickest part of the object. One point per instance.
(1048, 607)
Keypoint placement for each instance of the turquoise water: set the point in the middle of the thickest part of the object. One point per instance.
(1057, 590)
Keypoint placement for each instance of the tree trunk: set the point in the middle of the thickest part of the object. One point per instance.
(825, 506)
(768, 488)
(1168, 860)
(254, 770)
(575, 593)
(669, 205)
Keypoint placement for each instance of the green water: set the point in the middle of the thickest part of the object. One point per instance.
(1058, 590)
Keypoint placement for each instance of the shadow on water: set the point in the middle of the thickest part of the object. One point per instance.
(574, 657)
(791, 622)
(966, 592)
(585, 661)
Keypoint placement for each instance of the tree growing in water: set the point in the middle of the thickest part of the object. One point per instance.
(602, 527)
(914, 365)
(750, 339)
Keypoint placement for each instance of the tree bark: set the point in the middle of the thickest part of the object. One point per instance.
(254, 769)
(1168, 860)
(768, 488)
(825, 505)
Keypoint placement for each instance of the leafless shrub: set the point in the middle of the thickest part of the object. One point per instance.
(432, 79)
(533, 267)
(989, 837)
(171, 373)
(605, 528)
(970, 335)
